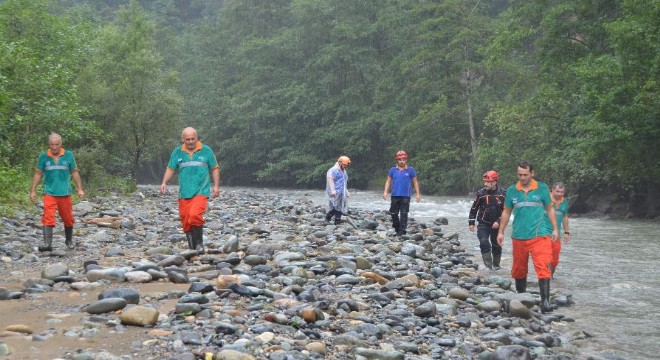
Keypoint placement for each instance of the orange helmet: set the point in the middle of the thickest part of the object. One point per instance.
(344, 160)
(491, 175)
(401, 155)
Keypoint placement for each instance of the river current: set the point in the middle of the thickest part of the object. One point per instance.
(611, 268)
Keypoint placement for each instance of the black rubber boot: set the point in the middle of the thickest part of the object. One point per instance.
(395, 223)
(189, 238)
(496, 261)
(48, 239)
(329, 215)
(198, 238)
(68, 236)
(404, 223)
(521, 285)
(544, 288)
(488, 260)
(337, 218)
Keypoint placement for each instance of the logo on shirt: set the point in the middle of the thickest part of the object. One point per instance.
(536, 197)
(201, 158)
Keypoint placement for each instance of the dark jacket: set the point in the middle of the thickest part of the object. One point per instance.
(487, 207)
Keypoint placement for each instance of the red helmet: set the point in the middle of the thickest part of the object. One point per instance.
(491, 175)
(401, 155)
(344, 160)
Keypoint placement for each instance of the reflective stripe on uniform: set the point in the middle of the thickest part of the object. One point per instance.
(193, 163)
(527, 204)
(56, 167)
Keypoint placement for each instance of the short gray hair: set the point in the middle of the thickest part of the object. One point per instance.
(54, 136)
(558, 185)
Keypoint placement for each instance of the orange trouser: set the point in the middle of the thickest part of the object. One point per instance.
(541, 250)
(63, 205)
(192, 211)
(556, 249)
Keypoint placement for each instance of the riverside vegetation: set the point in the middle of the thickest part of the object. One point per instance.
(281, 88)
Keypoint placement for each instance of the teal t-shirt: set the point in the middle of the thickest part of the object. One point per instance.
(530, 219)
(560, 211)
(57, 174)
(193, 170)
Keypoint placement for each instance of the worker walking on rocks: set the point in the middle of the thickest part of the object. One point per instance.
(561, 211)
(336, 190)
(196, 165)
(534, 230)
(487, 209)
(401, 178)
(57, 166)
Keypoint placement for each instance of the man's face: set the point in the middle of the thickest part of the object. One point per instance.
(525, 176)
(55, 146)
(558, 193)
(490, 185)
(401, 162)
(190, 140)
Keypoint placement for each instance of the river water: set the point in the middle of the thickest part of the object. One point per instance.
(611, 268)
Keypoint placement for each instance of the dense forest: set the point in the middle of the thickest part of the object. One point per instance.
(281, 88)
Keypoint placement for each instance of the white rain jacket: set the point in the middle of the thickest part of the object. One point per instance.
(337, 182)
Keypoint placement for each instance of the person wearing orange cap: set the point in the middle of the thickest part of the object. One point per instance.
(336, 190)
(561, 211)
(487, 209)
(401, 178)
(534, 230)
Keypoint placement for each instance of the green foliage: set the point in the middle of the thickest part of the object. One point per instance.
(280, 88)
(96, 177)
(40, 56)
(14, 189)
(132, 97)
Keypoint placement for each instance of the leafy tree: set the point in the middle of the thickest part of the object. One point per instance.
(40, 57)
(133, 98)
(440, 90)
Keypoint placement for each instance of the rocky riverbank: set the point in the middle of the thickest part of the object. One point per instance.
(276, 282)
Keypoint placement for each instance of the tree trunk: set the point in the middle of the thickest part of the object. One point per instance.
(473, 137)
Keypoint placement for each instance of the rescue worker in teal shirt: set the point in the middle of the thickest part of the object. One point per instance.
(561, 211)
(57, 166)
(193, 162)
(534, 230)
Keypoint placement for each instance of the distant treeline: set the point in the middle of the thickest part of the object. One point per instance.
(281, 88)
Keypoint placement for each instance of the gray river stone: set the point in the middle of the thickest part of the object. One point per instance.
(131, 295)
(55, 270)
(379, 354)
(194, 298)
(510, 352)
(112, 274)
(303, 289)
(106, 305)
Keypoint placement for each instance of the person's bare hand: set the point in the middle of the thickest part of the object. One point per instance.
(500, 240)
